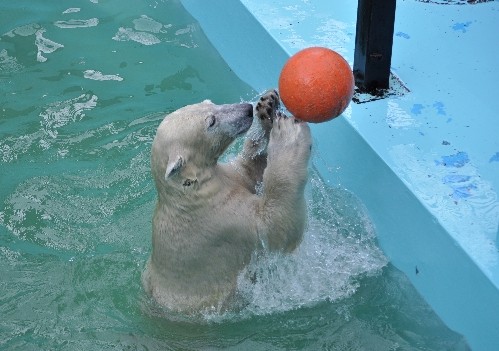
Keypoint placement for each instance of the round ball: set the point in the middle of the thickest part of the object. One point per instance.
(316, 84)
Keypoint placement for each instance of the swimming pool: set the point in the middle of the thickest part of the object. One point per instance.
(83, 88)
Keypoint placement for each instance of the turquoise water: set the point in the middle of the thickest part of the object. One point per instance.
(83, 87)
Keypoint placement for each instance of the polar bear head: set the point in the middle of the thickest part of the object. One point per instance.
(190, 140)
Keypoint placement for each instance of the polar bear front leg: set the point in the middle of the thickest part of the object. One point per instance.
(253, 158)
(283, 207)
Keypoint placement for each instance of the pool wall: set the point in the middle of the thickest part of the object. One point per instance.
(435, 211)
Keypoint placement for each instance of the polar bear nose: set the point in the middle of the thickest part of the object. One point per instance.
(248, 108)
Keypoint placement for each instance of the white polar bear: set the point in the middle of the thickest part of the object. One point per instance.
(209, 217)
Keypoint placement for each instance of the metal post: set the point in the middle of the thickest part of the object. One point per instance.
(373, 45)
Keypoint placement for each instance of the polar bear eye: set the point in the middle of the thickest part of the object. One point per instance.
(210, 121)
(188, 182)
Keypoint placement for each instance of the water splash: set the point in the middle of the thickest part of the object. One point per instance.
(338, 248)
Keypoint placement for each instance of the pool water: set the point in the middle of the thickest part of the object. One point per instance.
(83, 87)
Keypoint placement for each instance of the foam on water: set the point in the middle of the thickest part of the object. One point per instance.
(72, 10)
(45, 45)
(76, 23)
(147, 24)
(125, 34)
(24, 31)
(96, 75)
(8, 64)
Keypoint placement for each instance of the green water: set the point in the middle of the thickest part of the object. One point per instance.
(83, 87)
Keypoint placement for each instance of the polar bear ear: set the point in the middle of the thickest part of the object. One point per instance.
(174, 166)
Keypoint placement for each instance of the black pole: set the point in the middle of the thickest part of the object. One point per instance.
(373, 45)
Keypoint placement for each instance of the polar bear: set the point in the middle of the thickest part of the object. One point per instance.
(211, 217)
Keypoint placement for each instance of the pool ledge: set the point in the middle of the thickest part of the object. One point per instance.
(426, 164)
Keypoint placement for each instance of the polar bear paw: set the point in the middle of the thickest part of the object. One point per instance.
(267, 108)
(290, 137)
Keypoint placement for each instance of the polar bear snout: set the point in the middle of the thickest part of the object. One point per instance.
(236, 118)
(239, 109)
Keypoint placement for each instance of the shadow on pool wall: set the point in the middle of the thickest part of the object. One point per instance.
(413, 239)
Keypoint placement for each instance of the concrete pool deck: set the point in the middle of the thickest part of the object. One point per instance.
(425, 161)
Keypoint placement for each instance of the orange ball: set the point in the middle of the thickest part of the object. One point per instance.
(316, 84)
